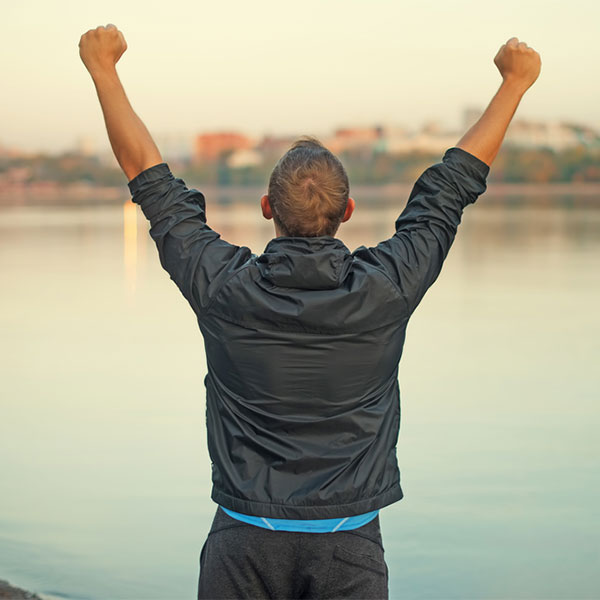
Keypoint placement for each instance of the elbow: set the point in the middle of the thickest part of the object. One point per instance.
(134, 164)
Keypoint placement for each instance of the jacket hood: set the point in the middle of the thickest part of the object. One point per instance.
(317, 263)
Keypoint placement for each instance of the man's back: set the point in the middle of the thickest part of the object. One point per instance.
(302, 396)
(303, 343)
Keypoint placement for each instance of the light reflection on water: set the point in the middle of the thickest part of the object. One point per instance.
(105, 471)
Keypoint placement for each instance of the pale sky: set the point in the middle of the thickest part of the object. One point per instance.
(272, 66)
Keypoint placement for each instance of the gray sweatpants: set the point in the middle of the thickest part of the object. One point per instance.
(242, 561)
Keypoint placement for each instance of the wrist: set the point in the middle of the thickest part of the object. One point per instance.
(514, 86)
(102, 71)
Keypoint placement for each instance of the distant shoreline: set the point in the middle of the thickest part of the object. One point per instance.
(82, 194)
(9, 592)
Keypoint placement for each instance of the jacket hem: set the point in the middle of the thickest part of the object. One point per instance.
(291, 511)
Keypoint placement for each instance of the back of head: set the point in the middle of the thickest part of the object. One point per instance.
(308, 190)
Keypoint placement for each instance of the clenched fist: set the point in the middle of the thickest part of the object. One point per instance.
(101, 48)
(518, 63)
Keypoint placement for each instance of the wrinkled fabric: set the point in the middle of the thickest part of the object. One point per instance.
(303, 343)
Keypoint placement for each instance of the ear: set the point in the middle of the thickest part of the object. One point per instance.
(266, 207)
(349, 210)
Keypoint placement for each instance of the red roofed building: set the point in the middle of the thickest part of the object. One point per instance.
(210, 146)
(354, 138)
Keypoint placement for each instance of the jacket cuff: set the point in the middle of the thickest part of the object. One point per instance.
(148, 177)
(467, 163)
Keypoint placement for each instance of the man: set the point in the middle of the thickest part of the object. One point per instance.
(302, 342)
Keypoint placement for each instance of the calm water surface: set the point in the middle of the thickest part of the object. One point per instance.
(104, 467)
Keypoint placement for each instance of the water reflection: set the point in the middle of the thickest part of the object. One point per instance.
(106, 476)
(130, 239)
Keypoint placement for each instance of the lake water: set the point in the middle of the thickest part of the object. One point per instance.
(104, 468)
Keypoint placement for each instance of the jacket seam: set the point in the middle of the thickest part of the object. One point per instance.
(246, 265)
(317, 506)
(383, 272)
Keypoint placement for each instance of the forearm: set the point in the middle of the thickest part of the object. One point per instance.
(131, 142)
(485, 137)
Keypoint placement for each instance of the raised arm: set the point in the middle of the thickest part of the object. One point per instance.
(134, 148)
(193, 254)
(519, 66)
(426, 228)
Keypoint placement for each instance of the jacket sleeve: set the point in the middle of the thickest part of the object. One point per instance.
(194, 255)
(426, 228)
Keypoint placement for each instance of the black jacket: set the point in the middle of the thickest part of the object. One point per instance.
(303, 343)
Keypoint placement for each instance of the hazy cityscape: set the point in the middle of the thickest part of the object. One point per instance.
(533, 152)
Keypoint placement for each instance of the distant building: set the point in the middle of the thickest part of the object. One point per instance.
(176, 147)
(431, 139)
(355, 138)
(16, 175)
(554, 135)
(244, 158)
(210, 146)
(275, 146)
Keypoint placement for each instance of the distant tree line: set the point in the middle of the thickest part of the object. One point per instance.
(365, 167)
(63, 168)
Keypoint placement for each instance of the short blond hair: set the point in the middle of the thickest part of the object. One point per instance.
(308, 190)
